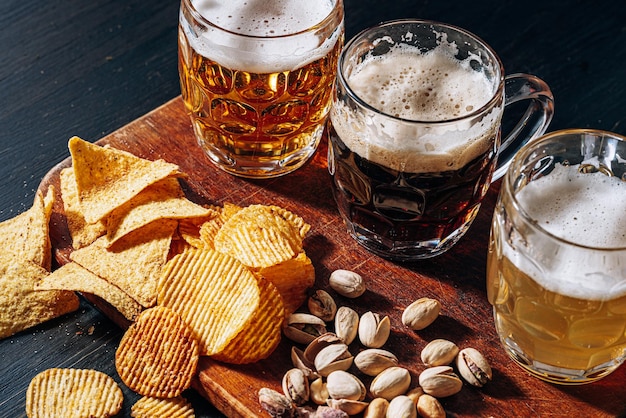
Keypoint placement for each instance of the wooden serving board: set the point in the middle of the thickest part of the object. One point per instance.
(456, 279)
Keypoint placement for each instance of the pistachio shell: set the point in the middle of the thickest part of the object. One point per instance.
(296, 386)
(374, 330)
(401, 407)
(346, 324)
(303, 328)
(439, 352)
(347, 283)
(322, 305)
(372, 361)
(331, 358)
(440, 381)
(429, 407)
(275, 403)
(343, 385)
(390, 383)
(473, 367)
(349, 406)
(421, 313)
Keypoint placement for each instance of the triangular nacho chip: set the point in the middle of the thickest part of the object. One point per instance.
(21, 306)
(162, 200)
(82, 233)
(134, 263)
(25, 236)
(72, 276)
(107, 177)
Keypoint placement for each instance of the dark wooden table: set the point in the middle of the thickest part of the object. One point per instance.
(72, 67)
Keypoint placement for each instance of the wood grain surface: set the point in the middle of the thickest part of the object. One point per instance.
(457, 279)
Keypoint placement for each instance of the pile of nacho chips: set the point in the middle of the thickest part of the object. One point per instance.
(231, 273)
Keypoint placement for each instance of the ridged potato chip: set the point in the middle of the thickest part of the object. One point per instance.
(158, 354)
(262, 334)
(213, 292)
(148, 407)
(260, 236)
(73, 393)
(292, 278)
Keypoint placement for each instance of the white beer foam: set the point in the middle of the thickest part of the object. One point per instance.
(257, 41)
(587, 209)
(416, 86)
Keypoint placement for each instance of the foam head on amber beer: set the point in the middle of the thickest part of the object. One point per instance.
(264, 36)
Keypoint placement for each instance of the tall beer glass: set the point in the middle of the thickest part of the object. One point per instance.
(257, 79)
(556, 273)
(415, 134)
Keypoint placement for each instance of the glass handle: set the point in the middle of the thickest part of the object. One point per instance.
(534, 122)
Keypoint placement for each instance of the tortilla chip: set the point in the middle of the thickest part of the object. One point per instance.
(134, 263)
(106, 178)
(73, 277)
(21, 306)
(162, 200)
(82, 233)
(25, 236)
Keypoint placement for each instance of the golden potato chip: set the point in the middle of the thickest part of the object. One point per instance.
(292, 278)
(148, 407)
(21, 306)
(214, 293)
(296, 221)
(134, 263)
(189, 228)
(158, 354)
(72, 276)
(262, 334)
(162, 200)
(82, 233)
(25, 236)
(259, 237)
(106, 177)
(73, 393)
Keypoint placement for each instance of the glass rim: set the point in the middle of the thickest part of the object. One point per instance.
(319, 25)
(499, 91)
(509, 179)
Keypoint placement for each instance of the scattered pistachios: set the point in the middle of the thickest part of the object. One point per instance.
(321, 373)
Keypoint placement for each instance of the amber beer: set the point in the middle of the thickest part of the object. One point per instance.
(257, 80)
(556, 274)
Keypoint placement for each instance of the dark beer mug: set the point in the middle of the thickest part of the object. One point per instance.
(415, 134)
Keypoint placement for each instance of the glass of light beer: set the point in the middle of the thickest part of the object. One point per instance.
(257, 79)
(415, 134)
(556, 271)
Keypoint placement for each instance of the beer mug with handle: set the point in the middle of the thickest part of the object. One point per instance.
(556, 271)
(415, 134)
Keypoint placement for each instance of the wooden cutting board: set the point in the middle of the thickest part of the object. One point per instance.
(456, 279)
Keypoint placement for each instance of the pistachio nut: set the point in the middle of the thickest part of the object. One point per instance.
(322, 305)
(299, 361)
(421, 313)
(473, 367)
(296, 386)
(401, 407)
(372, 361)
(391, 382)
(349, 406)
(276, 404)
(429, 407)
(346, 324)
(347, 283)
(343, 385)
(303, 328)
(318, 391)
(374, 330)
(331, 358)
(440, 381)
(322, 341)
(377, 408)
(439, 352)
